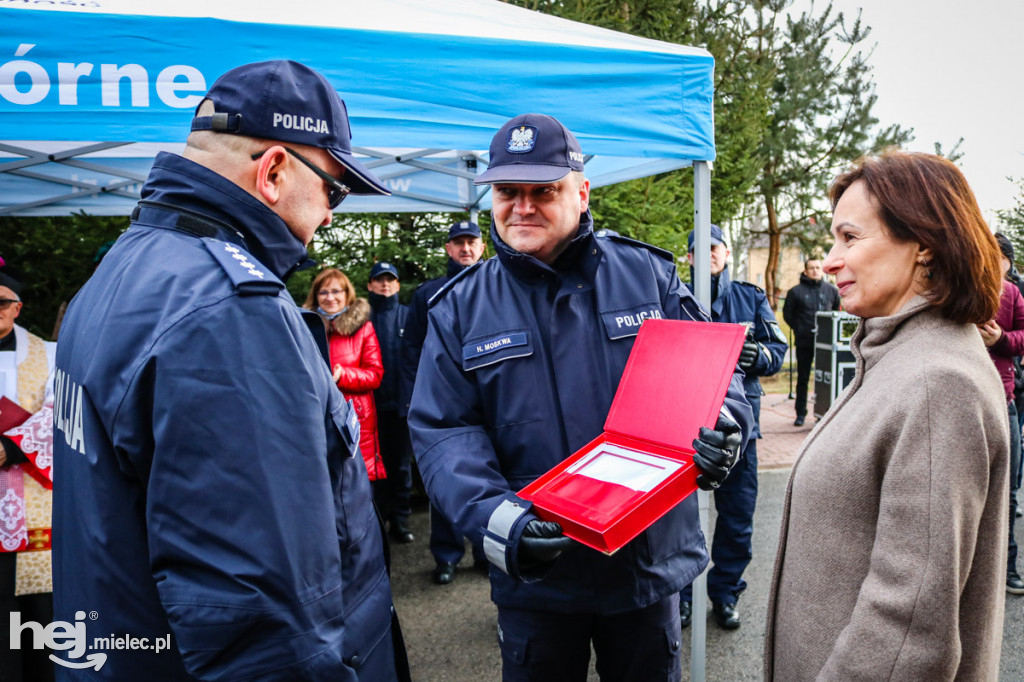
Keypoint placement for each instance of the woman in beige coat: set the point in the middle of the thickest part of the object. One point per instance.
(892, 555)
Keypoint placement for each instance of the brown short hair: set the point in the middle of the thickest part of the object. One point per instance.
(321, 279)
(925, 198)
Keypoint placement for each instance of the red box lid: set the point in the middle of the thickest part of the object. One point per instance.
(675, 380)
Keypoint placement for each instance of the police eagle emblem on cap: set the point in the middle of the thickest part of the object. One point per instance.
(522, 139)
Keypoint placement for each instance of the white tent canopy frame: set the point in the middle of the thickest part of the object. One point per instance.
(91, 90)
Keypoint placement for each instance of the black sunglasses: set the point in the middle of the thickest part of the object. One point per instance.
(336, 189)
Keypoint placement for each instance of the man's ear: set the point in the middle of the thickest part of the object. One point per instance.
(584, 195)
(271, 173)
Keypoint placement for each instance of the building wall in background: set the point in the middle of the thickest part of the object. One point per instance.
(791, 264)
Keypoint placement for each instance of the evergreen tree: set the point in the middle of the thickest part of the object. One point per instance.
(820, 119)
(793, 106)
(55, 256)
(659, 209)
(412, 242)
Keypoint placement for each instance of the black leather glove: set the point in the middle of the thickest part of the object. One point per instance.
(540, 544)
(748, 356)
(717, 451)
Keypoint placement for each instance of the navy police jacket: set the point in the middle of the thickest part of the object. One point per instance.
(208, 484)
(416, 331)
(519, 368)
(745, 303)
(389, 318)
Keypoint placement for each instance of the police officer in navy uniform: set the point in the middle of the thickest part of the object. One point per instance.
(209, 486)
(464, 247)
(388, 317)
(762, 354)
(521, 361)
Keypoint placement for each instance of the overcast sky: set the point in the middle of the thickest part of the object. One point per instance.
(952, 69)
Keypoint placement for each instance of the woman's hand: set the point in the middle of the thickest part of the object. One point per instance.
(337, 373)
(990, 332)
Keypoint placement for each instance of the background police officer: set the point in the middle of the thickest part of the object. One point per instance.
(388, 317)
(464, 248)
(519, 368)
(763, 350)
(210, 492)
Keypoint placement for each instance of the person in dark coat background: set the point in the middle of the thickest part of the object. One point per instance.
(389, 318)
(803, 303)
(464, 248)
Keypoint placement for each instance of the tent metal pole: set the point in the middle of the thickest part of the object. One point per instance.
(702, 287)
(451, 205)
(34, 157)
(468, 163)
(91, 190)
(384, 157)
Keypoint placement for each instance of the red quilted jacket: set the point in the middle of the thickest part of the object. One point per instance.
(354, 347)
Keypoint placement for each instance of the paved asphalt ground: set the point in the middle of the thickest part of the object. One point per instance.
(451, 634)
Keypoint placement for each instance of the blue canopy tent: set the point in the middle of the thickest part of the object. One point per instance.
(91, 90)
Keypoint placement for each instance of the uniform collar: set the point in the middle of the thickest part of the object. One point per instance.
(378, 302)
(180, 184)
(574, 257)
(455, 267)
(724, 281)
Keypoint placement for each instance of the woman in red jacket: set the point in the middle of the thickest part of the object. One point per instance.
(355, 355)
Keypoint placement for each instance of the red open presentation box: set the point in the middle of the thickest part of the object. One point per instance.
(675, 381)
